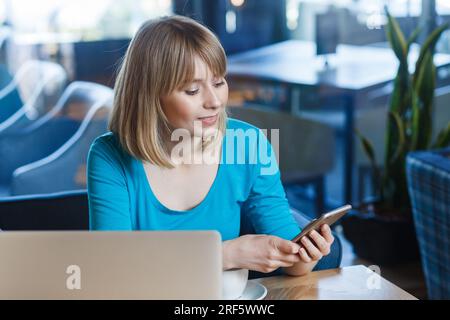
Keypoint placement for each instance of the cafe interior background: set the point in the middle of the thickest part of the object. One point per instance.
(360, 94)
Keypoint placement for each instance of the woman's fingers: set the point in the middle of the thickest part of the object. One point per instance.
(282, 263)
(313, 252)
(327, 234)
(273, 265)
(284, 250)
(289, 258)
(320, 242)
(304, 255)
(286, 246)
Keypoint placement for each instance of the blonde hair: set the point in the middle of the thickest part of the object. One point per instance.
(159, 60)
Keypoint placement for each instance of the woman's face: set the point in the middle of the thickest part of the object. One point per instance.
(200, 101)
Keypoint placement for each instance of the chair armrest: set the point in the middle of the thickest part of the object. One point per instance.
(56, 211)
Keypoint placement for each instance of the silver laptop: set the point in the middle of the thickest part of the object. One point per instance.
(111, 265)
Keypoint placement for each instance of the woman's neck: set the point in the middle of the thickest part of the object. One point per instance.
(193, 151)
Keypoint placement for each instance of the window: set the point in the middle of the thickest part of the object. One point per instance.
(443, 7)
(84, 19)
(356, 18)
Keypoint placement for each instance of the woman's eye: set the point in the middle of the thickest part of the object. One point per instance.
(218, 84)
(191, 92)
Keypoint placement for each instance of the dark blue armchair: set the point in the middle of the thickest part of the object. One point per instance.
(43, 82)
(428, 175)
(10, 101)
(56, 211)
(32, 144)
(47, 135)
(66, 164)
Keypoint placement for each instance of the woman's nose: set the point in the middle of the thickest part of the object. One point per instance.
(212, 99)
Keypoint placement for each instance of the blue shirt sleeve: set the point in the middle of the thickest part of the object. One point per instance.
(108, 197)
(267, 207)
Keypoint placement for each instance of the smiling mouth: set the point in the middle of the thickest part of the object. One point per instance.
(208, 118)
(209, 121)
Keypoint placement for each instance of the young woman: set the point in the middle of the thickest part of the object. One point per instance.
(169, 112)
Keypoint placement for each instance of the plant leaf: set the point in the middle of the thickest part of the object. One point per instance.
(367, 147)
(413, 37)
(426, 79)
(415, 122)
(398, 124)
(424, 90)
(429, 44)
(369, 151)
(443, 138)
(398, 101)
(396, 38)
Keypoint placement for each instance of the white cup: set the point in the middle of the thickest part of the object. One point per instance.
(234, 282)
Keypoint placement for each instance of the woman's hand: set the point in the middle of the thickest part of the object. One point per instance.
(265, 253)
(313, 247)
(261, 253)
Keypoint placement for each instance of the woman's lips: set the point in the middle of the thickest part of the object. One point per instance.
(208, 121)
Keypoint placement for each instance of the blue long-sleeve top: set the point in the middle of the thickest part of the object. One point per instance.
(247, 183)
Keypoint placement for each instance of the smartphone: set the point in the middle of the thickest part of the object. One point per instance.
(327, 218)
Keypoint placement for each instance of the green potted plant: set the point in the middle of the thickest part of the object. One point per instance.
(381, 229)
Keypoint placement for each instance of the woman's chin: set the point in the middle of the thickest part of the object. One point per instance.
(210, 132)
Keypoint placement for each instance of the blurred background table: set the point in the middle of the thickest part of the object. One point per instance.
(352, 76)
